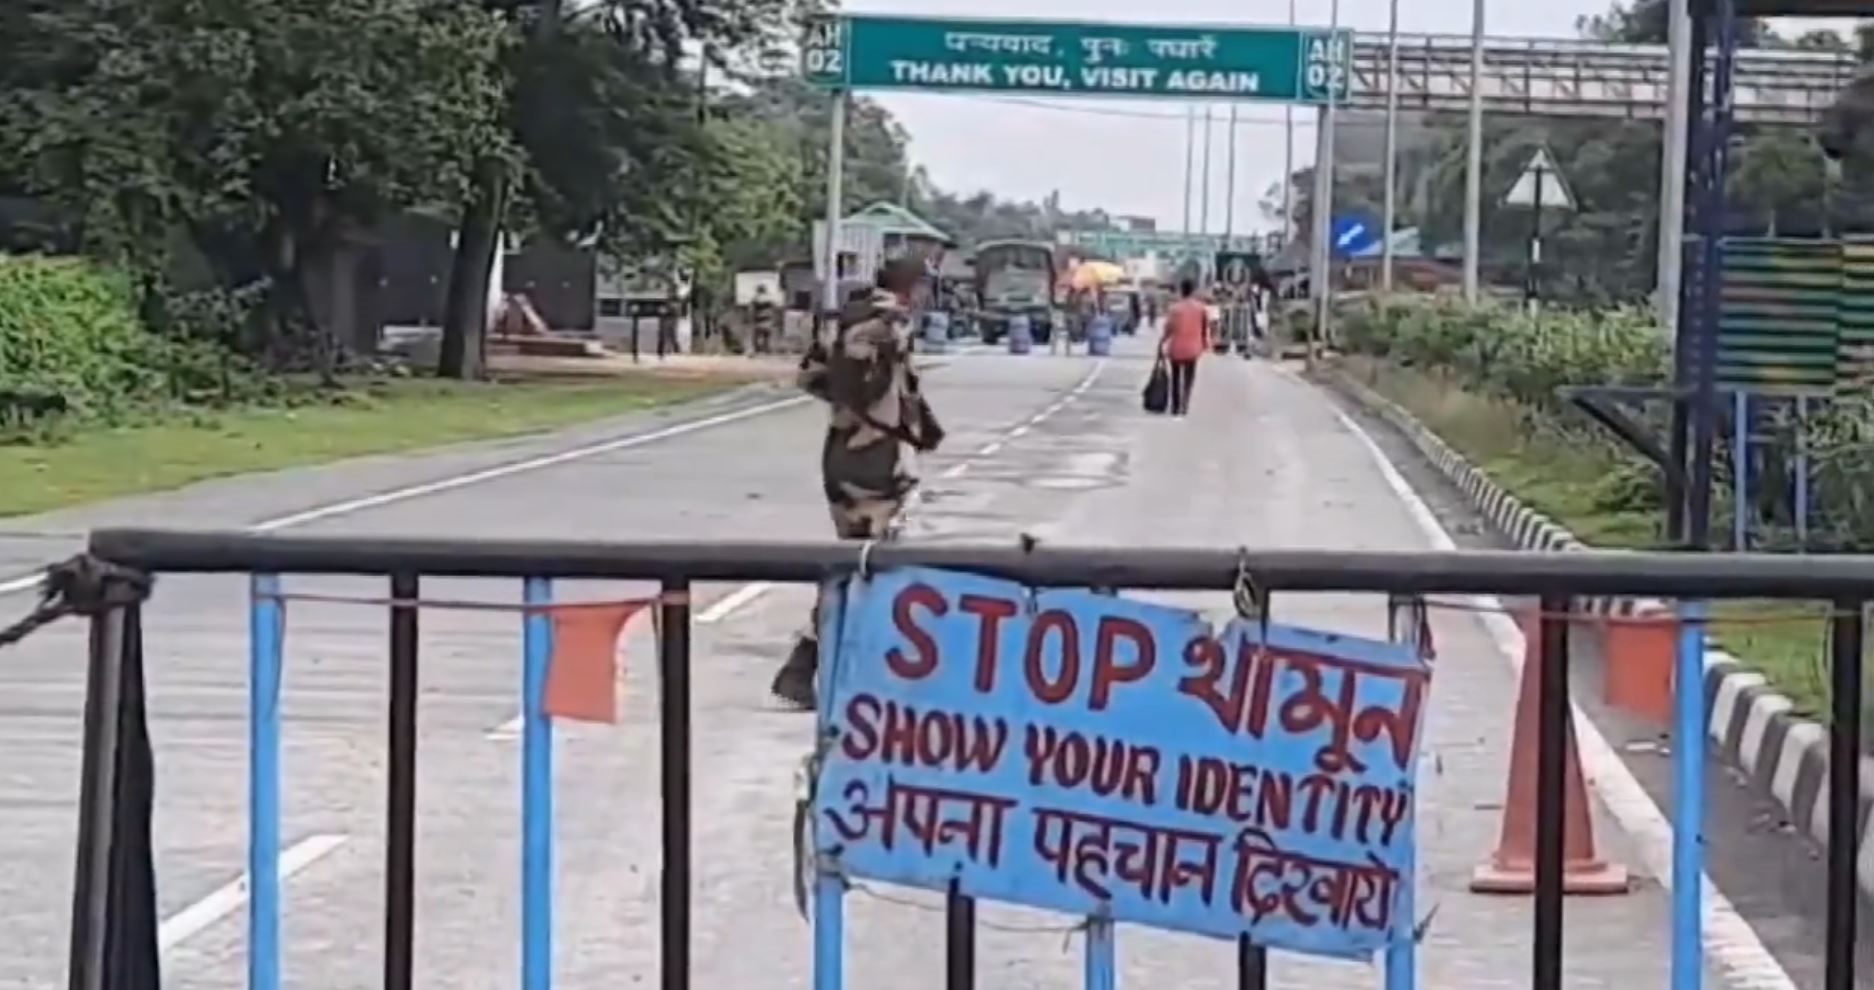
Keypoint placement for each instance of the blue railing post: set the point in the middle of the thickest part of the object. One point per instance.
(1403, 625)
(1688, 801)
(1101, 955)
(829, 931)
(266, 634)
(536, 790)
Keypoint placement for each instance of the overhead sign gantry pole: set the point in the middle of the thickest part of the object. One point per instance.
(823, 55)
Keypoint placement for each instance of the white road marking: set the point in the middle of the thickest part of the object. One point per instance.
(507, 731)
(440, 485)
(721, 607)
(197, 917)
(519, 467)
(1729, 940)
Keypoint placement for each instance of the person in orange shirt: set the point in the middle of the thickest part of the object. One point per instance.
(1186, 338)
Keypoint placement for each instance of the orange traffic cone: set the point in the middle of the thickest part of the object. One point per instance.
(1512, 868)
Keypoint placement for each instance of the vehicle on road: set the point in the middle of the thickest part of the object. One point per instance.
(1016, 278)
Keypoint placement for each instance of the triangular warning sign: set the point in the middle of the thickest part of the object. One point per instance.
(1540, 185)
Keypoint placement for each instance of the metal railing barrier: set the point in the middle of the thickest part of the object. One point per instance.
(113, 944)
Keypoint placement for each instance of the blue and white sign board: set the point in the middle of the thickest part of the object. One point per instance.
(1352, 236)
(1113, 759)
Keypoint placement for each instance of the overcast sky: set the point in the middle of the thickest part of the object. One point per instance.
(1128, 157)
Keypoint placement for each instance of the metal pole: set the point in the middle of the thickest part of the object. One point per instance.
(1321, 276)
(1474, 168)
(1288, 157)
(1535, 244)
(95, 882)
(536, 788)
(835, 186)
(1844, 797)
(1229, 186)
(1672, 164)
(1553, 725)
(400, 790)
(1688, 796)
(267, 629)
(1392, 147)
(959, 940)
(1690, 310)
(1203, 212)
(1190, 162)
(674, 765)
(1716, 146)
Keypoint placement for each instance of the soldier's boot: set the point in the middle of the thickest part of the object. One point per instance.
(793, 683)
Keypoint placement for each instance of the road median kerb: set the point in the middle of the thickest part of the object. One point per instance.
(1749, 723)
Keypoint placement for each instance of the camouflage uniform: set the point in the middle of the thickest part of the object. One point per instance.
(879, 422)
(764, 315)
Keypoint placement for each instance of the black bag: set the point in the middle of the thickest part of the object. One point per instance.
(1157, 397)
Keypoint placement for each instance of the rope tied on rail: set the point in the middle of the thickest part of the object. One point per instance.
(84, 586)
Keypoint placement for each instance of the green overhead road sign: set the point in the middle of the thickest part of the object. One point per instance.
(1086, 59)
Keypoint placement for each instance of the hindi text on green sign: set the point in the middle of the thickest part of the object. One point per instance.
(1084, 59)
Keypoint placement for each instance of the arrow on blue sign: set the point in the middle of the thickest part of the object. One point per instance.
(1353, 236)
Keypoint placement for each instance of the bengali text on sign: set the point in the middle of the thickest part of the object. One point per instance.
(1096, 755)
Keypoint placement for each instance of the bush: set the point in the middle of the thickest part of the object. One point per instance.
(70, 343)
(72, 349)
(1506, 350)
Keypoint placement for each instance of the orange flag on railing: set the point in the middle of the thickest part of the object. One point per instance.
(582, 677)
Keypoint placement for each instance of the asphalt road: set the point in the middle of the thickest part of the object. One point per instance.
(1052, 447)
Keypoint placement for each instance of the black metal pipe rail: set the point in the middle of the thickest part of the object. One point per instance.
(105, 917)
(1665, 575)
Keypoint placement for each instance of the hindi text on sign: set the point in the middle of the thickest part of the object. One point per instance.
(1091, 754)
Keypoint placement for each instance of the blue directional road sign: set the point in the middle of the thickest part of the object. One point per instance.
(1353, 236)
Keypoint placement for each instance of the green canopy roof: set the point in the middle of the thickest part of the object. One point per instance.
(894, 219)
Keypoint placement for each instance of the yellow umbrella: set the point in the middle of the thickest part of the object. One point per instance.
(1094, 274)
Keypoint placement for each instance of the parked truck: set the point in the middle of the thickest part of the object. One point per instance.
(1016, 278)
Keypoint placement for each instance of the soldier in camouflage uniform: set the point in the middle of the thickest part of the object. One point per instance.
(879, 422)
(763, 316)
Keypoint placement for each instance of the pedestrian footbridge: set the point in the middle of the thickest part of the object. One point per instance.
(1551, 77)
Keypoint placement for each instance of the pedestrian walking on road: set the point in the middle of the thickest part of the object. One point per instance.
(1185, 340)
(878, 423)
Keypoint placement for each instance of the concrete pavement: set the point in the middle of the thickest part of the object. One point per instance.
(1050, 446)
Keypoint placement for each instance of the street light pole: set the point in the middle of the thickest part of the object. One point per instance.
(1320, 271)
(1474, 168)
(1392, 148)
(1190, 151)
(1203, 212)
(1672, 165)
(1229, 186)
(1288, 158)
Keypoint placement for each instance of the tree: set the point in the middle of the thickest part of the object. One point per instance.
(641, 77)
(266, 133)
(1780, 176)
(1644, 22)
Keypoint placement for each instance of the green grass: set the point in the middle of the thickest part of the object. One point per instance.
(377, 417)
(1564, 478)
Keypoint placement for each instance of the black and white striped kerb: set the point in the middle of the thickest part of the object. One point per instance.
(1751, 728)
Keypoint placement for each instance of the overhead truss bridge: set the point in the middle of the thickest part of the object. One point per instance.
(1552, 77)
